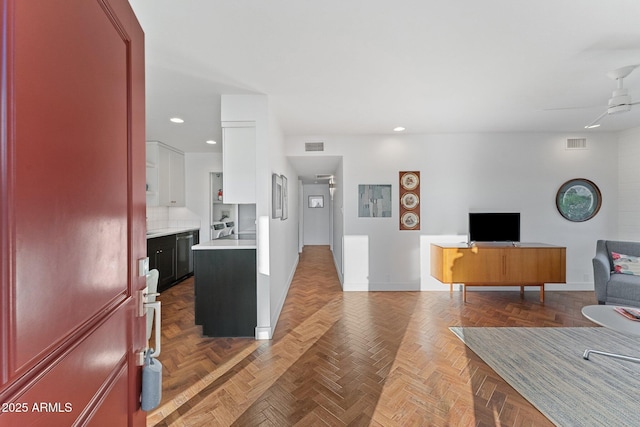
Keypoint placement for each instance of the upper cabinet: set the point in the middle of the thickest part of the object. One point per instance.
(239, 163)
(165, 175)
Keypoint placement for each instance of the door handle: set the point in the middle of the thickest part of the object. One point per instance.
(155, 305)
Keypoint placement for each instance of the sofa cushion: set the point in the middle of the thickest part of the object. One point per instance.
(623, 288)
(625, 264)
(621, 247)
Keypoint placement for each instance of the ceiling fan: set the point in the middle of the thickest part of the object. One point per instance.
(620, 101)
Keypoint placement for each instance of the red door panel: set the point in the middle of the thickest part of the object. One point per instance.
(110, 413)
(72, 214)
(99, 359)
(73, 176)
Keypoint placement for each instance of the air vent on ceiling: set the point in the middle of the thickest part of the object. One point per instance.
(576, 144)
(314, 146)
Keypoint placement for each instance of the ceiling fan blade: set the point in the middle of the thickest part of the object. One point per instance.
(595, 124)
(635, 103)
(583, 107)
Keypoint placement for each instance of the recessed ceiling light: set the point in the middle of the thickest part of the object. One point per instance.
(592, 126)
(211, 141)
(398, 129)
(176, 120)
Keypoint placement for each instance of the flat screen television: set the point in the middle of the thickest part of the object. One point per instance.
(494, 227)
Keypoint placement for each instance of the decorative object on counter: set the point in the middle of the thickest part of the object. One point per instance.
(374, 201)
(410, 200)
(316, 201)
(578, 200)
(276, 196)
(285, 198)
(220, 194)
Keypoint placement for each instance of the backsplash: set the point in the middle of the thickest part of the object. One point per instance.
(159, 217)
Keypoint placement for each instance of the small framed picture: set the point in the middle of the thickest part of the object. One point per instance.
(276, 195)
(285, 198)
(316, 201)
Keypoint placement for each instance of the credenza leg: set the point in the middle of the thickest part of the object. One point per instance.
(521, 291)
(451, 288)
(542, 292)
(464, 293)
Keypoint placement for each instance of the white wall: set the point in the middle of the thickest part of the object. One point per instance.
(463, 172)
(317, 226)
(160, 217)
(283, 233)
(629, 185)
(338, 222)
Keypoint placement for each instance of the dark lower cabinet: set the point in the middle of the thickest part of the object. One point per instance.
(225, 292)
(172, 257)
(184, 261)
(162, 256)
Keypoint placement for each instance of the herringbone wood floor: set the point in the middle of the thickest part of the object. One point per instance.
(361, 358)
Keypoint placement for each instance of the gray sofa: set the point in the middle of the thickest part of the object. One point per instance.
(612, 288)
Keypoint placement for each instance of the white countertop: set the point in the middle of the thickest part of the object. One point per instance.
(168, 231)
(226, 244)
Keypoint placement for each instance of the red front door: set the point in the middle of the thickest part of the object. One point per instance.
(72, 213)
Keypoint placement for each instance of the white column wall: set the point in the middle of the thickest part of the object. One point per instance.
(629, 185)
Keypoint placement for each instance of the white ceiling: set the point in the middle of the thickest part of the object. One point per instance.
(367, 66)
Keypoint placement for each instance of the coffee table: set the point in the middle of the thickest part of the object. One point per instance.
(606, 316)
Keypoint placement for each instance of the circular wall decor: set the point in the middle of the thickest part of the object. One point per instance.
(410, 220)
(409, 200)
(578, 200)
(409, 181)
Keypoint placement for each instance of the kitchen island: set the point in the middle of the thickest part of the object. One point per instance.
(225, 286)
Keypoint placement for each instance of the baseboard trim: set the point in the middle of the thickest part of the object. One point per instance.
(411, 286)
(335, 264)
(266, 333)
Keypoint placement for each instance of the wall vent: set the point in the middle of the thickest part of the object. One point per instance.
(314, 146)
(576, 144)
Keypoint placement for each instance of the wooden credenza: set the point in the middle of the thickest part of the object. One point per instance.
(493, 264)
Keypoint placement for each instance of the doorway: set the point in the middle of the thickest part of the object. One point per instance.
(316, 211)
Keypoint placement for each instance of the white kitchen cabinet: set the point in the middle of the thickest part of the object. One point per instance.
(165, 175)
(239, 164)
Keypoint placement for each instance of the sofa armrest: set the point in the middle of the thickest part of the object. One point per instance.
(601, 276)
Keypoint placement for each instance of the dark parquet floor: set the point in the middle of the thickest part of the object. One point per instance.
(351, 359)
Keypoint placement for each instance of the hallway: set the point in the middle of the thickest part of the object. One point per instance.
(358, 358)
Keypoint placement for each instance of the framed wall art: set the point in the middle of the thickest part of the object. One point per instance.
(578, 200)
(374, 201)
(316, 202)
(285, 198)
(276, 196)
(410, 200)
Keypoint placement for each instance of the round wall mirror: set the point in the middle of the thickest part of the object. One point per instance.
(578, 200)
